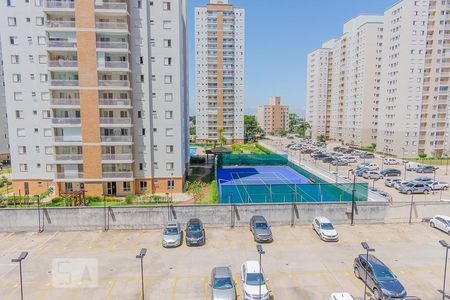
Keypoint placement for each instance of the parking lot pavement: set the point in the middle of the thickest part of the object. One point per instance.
(297, 264)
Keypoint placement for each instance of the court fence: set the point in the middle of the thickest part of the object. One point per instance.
(317, 190)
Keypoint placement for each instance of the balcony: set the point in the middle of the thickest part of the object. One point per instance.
(119, 5)
(61, 44)
(116, 139)
(114, 83)
(115, 65)
(115, 120)
(112, 25)
(65, 102)
(66, 121)
(114, 102)
(67, 139)
(117, 174)
(68, 157)
(112, 45)
(60, 24)
(63, 64)
(59, 4)
(63, 82)
(122, 156)
(79, 175)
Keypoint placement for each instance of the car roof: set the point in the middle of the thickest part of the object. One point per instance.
(252, 266)
(322, 219)
(222, 272)
(194, 221)
(375, 262)
(259, 218)
(443, 217)
(173, 223)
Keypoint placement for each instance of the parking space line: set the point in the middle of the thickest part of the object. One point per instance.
(174, 288)
(145, 285)
(10, 293)
(327, 281)
(270, 289)
(238, 287)
(76, 292)
(41, 295)
(300, 287)
(206, 287)
(424, 285)
(113, 285)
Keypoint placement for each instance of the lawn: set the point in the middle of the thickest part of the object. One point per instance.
(438, 161)
(254, 148)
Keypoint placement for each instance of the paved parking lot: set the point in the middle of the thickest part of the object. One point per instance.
(297, 264)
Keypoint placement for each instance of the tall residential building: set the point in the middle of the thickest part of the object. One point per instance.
(219, 63)
(4, 140)
(343, 82)
(273, 117)
(96, 95)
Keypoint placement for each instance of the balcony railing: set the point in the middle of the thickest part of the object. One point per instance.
(117, 174)
(112, 5)
(61, 44)
(114, 64)
(122, 156)
(115, 120)
(112, 45)
(67, 139)
(64, 82)
(60, 24)
(64, 101)
(59, 4)
(68, 157)
(74, 175)
(71, 121)
(63, 63)
(115, 102)
(119, 83)
(116, 139)
(111, 25)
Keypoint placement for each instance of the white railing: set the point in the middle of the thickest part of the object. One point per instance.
(112, 5)
(116, 138)
(115, 102)
(115, 120)
(60, 24)
(59, 4)
(68, 157)
(111, 25)
(72, 121)
(78, 175)
(67, 139)
(63, 63)
(64, 82)
(117, 174)
(114, 64)
(121, 156)
(65, 101)
(61, 44)
(115, 45)
(121, 83)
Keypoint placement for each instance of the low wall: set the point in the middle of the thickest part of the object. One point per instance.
(147, 217)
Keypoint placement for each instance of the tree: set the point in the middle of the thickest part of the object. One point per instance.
(221, 139)
(302, 127)
(282, 132)
(297, 125)
(251, 128)
(321, 138)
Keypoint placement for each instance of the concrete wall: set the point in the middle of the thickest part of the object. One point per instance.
(143, 217)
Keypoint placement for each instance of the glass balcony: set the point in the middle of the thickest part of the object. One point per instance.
(115, 102)
(70, 175)
(119, 5)
(68, 157)
(69, 121)
(115, 120)
(59, 4)
(65, 101)
(111, 25)
(60, 24)
(121, 156)
(117, 174)
(112, 45)
(61, 44)
(112, 83)
(116, 139)
(63, 64)
(54, 82)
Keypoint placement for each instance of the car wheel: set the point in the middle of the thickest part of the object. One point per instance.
(356, 272)
(426, 192)
(376, 294)
(432, 225)
(409, 192)
(445, 187)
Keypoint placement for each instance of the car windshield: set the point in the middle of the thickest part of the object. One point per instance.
(409, 184)
(261, 225)
(384, 275)
(327, 226)
(222, 283)
(448, 222)
(194, 228)
(171, 231)
(255, 279)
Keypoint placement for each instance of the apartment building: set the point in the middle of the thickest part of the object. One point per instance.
(274, 117)
(343, 83)
(96, 95)
(4, 140)
(219, 63)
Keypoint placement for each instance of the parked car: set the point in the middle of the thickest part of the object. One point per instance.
(327, 159)
(341, 296)
(380, 279)
(391, 161)
(382, 193)
(390, 182)
(441, 222)
(423, 179)
(172, 234)
(260, 229)
(426, 169)
(412, 166)
(222, 286)
(391, 172)
(350, 159)
(415, 188)
(399, 184)
(252, 276)
(325, 229)
(367, 155)
(339, 162)
(372, 175)
(437, 185)
(359, 171)
(372, 166)
(195, 233)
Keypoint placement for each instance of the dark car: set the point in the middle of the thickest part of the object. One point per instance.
(195, 233)
(367, 155)
(380, 279)
(260, 229)
(360, 171)
(426, 169)
(327, 159)
(391, 172)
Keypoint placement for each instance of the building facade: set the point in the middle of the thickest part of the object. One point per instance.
(96, 95)
(219, 64)
(274, 117)
(4, 140)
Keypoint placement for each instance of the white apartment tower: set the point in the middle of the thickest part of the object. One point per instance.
(343, 82)
(96, 95)
(219, 62)
(4, 140)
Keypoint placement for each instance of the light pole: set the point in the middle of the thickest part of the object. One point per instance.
(353, 198)
(168, 207)
(446, 163)
(368, 249)
(337, 171)
(260, 252)
(21, 257)
(141, 256)
(446, 246)
(411, 207)
(404, 162)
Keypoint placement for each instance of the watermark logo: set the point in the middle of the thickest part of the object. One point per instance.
(73, 272)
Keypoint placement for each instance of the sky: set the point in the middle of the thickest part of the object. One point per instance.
(279, 35)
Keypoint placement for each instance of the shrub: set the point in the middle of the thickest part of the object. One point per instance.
(198, 160)
(57, 200)
(130, 199)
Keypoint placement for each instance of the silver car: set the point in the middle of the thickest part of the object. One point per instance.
(260, 229)
(172, 234)
(222, 286)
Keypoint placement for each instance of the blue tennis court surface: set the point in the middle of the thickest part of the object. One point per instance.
(259, 175)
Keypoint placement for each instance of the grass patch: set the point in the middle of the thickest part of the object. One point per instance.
(5, 171)
(436, 161)
(211, 196)
(253, 148)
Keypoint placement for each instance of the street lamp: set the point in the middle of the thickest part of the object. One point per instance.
(21, 257)
(260, 252)
(353, 196)
(368, 249)
(446, 246)
(141, 256)
(446, 163)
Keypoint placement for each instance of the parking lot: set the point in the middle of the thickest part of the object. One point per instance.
(297, 264)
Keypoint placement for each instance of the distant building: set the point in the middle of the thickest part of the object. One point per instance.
(4, 140)
(273, 117)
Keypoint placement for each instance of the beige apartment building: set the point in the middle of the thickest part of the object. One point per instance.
(273, 117)
(96, 95)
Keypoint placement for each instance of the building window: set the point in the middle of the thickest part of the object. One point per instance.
(41, 40)
(167, 79)
(166, 5)
(169, 148)
(22, 150)
(48, 150)
(19, 114)
(141, 166)
(42, 59)
(49, 168)
(155, 165)
(47, 132)
(168, 97)
(45, 96)
(12, 21)
(168, 43)
(170, 184)
(39, 21)
(127, 186)
(46, 114)
(14, 59)
(169, 114)
(167, 61)
(18, 96)
(169, 132)
(23, 167)
(143, 185)
(169, 166)
(20, 132)
(43, 77)
(16, 78)
(13, 40)
(167, 24)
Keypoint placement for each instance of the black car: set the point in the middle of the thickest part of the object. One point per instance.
(195, 233)
(367, 155)
(327, 159)
(380, 279)
(391, 172)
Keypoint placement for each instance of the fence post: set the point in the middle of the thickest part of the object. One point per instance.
(411, 208)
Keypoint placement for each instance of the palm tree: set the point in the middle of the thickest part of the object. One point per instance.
(302, 127)
(222, 140)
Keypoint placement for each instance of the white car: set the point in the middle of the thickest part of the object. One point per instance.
(325, 229)
(441, 222)
(391, 161)
(372, 175)
(252, 277)
(437, 185)
(341, 296)
(372, 166)
(350, 159)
